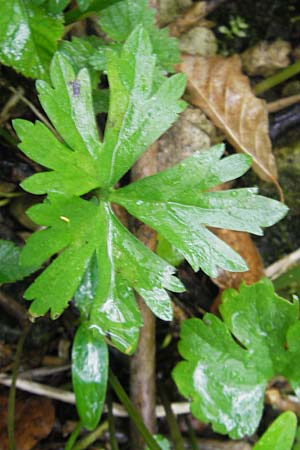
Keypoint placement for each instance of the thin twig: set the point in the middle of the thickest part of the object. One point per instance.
(35, 111)
(9, 105)
(13, 308)
(69, 397)
(171, 419)
(281, 266)
(282, 103)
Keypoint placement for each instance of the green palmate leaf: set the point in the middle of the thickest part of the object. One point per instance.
(280, 435)
(74, 162)
(98, 259)
(28, 37)
(120, 19)
(110, 260)
(10, 268)
(137, 115)
(226, 374)
(176, 204)
(89, 374)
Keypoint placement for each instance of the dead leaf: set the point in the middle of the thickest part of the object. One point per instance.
(218, 87)
(34, 419)
(244, 246)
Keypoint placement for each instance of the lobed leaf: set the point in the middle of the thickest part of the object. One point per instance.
(119, 20)
(226, 374)
(101, 258)
(174, 203)
(29, 35)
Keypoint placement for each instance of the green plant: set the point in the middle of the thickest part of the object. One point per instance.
(228, 364)
(97, 261)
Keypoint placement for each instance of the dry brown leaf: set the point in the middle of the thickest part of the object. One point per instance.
(34, 419)
(244, 246)
(218, 87)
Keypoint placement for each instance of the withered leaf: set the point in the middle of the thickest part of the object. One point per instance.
(34, 419)
(218, 87)
(244, 245)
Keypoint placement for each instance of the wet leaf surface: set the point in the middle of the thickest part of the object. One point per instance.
(228, 364)
(29, 35)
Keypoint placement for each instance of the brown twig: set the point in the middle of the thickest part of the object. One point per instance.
(13, 308)
(142, 370)
(278, 105)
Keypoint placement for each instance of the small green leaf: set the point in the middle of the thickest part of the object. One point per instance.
(280, 435)
(119, 20)
(10, 268)
(226, 374)
(175, 203)
(89, 374)
(28, 39)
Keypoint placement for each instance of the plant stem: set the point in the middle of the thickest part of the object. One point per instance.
(172, 421)
(142, 368)
(192, 435)
(12, 390)
(111, 422)
(74, 435)
(133, 413)
(278, 78)
(91, 437)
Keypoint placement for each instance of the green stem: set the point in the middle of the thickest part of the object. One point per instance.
(133, 413)
(74, 435)
(172, 421)
(112, 429)
(192, 435)
(278, 78)
(91, 437)
(12, 390)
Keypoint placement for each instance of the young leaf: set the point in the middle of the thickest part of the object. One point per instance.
(280, 435)
(89, 374)
(176, 204)
(226, 374)
(120, 19)
(28, 37)
(10, 268)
